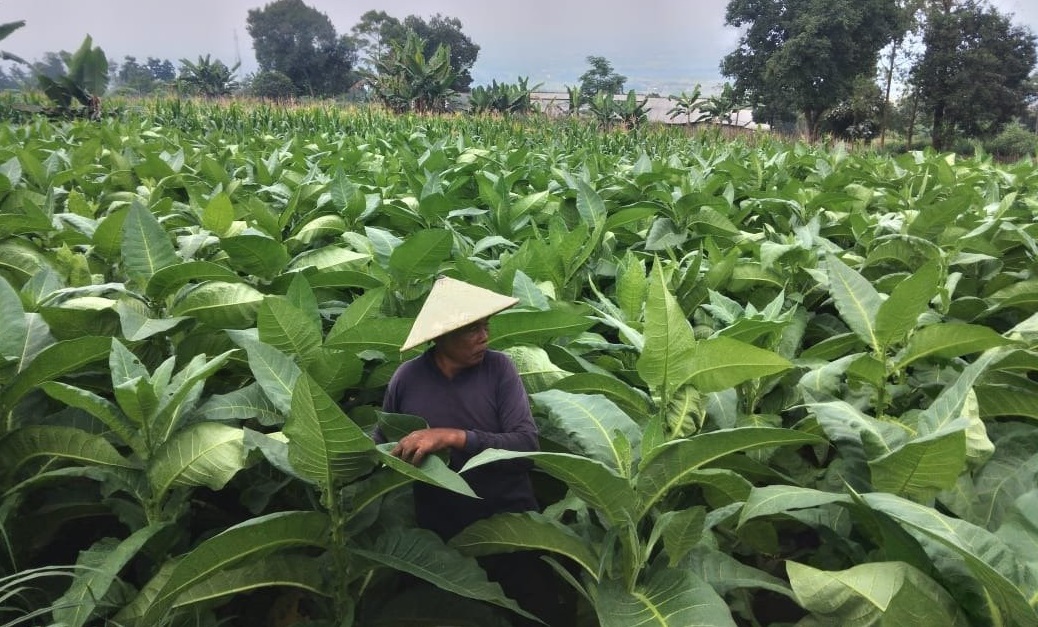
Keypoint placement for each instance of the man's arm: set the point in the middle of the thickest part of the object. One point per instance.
(517, 430)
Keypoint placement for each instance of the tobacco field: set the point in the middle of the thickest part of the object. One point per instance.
(776, 384)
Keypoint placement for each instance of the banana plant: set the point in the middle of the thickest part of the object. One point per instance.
(80, 89)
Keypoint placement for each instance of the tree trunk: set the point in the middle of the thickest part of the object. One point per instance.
(937, 139)
(885, 106)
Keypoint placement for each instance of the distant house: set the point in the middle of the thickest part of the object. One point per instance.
(557, 104)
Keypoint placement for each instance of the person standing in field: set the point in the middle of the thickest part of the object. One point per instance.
(472, 399)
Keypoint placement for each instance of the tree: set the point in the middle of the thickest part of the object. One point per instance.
(374, 34)
(300, 42)
(600, 78)
(973, 75)
(805, 54)
(161, 70)
(446, 31)
(211, 79)
(134, 76)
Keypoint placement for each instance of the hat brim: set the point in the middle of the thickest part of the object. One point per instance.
(453, 304)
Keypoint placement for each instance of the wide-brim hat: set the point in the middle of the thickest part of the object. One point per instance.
(451, 305)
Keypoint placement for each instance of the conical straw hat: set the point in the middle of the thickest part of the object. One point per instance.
(451, 305)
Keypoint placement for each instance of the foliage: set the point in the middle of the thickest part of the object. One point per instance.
(973, 75)
(377, 32)
(774, 383)
(724, 107)
(1014, 142)
(688, 105)
(374, 33)
(502, 97)
(272, 85)
(207, 78)
(5, 30)
(856, 118)
(144, 78)
(600, 78)
(407, 80)
(805, 54)
(440, 30)
(299, 41)
(78, 90)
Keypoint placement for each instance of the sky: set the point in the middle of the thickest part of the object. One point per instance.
(662, 46)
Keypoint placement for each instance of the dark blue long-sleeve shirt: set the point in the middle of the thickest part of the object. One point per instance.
(489, 403)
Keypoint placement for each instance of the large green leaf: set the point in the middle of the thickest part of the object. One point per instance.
(13, 322)
(947, 407)
(103, 564)
(218, 214)
(167, 280)
(946, 340)
(505, 533)
(49, 443)
(721, 363)
(985, 495)
(294, 571)
(254, 537)
(667, 357)
(600, 486)
(136, 325)
(275, 372)
(288, 329)
(674, 463)
(780, 499)
(421, 553)
(324, 445)
(146, 247)
(58, 359)
(255, 254)
(591, 424)
(923, 466)
(632, 400)
(535, 367)
(856, 299)
(725, 573)
(98, 407)
(220, 305)
(381, 334)
(1008, 584)
(898, 314)
(433, 471)
(241, 404)
(879, 593)
(422, 253)
(669, 598)
(202, 454)
(181, 391)
(535, 327)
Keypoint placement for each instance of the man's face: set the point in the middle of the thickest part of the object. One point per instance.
(466, 346)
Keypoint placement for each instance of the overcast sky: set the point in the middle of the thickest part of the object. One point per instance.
(660, 45)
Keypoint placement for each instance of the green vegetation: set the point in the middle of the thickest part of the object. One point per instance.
(767, 376)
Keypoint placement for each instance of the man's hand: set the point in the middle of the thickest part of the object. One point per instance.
(414, 446)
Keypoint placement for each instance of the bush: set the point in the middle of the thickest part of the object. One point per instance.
(273, 85)
(1014, 142)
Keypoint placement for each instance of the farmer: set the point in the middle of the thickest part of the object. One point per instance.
(472, 399)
